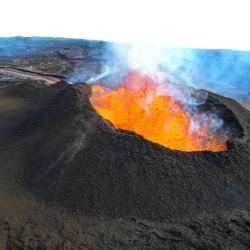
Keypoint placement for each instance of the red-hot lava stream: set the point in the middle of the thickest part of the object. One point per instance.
(157, 117)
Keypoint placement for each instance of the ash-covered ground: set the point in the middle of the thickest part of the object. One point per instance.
(69, 180)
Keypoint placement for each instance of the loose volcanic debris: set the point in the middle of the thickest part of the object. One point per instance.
(73, 157)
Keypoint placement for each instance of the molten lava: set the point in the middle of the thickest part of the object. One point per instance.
(138, 105)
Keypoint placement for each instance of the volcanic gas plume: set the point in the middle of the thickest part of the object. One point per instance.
(144, 105)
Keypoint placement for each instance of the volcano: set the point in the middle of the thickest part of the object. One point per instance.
(69, 156)
(71, 178)
(117, 172)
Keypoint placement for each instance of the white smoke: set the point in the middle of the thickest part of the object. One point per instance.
(169, 67)
(174, 72)
(96, 77)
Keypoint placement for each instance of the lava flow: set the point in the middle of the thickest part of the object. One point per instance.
(139, 106)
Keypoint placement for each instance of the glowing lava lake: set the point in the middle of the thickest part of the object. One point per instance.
(141, 105)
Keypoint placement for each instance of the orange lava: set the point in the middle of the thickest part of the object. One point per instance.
(139, 106)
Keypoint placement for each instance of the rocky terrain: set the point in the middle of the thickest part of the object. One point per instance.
(69, 180)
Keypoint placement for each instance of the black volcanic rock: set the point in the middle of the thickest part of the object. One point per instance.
(74, 158)
(69, 180)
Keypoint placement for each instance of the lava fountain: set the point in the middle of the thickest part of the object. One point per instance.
(142, 106)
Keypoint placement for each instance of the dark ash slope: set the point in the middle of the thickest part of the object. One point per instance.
(56, 148)
(74, 158)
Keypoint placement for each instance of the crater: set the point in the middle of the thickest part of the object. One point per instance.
(170, 116)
